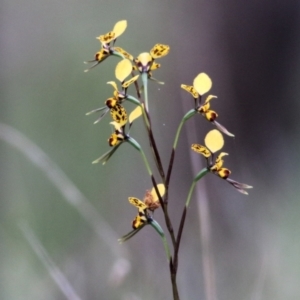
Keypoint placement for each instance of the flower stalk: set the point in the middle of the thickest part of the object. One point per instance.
(144, 64)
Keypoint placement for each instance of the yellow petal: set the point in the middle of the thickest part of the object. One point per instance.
(190, 89)
(137, 112)
(159, 50)
(127, 83)
(113, 84)
(123, 69)
(214, 140)
(224, 173)
(161, 188)
(116, 125)
(155, 66)
(202, 83)
(119, 28)
(208, 98)
(201, 149)
(137, 203)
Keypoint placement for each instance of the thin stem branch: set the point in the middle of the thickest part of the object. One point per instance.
(187, 116)
(200, 175)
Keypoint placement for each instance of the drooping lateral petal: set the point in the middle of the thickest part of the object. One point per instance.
(202, 83)
(214, 140)
(159, 50)
(239, 186)
(161, 188)
(190, 89)
(119, 28)
(127, 83)
(123, 69)
(106, 156)
(123, 52)
(137, 203)
(101, 116)
(222, 128)
(130, 234)
(136, 113)
(201, 149)
(96, 110)
(99, 57)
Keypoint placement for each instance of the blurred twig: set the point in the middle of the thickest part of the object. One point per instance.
(56, 274)
(67, 188)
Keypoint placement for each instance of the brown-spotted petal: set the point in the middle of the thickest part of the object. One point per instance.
(210, 115)
(123, 52)
(137, 203)
(190, 89)
(159, 50)
(115, 139)
(107, 38)
(127, 83)
(224, 172)
(118, 114)
(201, 149)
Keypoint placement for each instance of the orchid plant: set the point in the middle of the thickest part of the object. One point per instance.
(138, 71)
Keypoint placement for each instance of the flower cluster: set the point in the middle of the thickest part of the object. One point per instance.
(125, 72)
(135, 72)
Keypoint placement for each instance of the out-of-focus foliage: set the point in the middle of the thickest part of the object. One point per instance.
(252, 52)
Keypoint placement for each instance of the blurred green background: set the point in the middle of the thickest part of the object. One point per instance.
(233, 247)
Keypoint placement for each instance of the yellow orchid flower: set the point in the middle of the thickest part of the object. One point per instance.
(119, 115)
(122, 71)
(107, 49)
(145, 62)
(151, 203)
(201, 85)
(214, 142)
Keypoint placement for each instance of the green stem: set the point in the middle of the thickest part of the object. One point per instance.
(202, 173)
(187, 116)
(145, 83)
(137, 146)
(159, 230)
